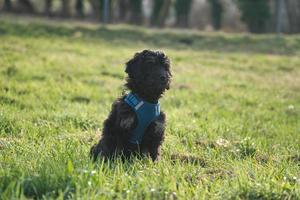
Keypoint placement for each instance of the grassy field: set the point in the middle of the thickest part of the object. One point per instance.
(233, 113)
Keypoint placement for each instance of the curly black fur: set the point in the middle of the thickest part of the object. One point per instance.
(149, 76)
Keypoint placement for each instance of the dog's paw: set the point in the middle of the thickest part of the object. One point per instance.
(127, 123)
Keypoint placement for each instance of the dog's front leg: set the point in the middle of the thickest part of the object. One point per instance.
(154, 137)
(127, 123)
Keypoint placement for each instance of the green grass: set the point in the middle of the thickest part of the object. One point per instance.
(233, 113)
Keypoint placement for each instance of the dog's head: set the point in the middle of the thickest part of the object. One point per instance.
(149, 74)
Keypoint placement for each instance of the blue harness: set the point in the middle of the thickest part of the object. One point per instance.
(146, 113)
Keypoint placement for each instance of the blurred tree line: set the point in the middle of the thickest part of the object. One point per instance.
(256, 14)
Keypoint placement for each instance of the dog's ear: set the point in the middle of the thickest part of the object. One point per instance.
(130, 65)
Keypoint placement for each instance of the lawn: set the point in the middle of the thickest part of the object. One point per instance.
(233, 113)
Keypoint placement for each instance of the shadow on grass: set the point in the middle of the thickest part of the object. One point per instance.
(120, 35)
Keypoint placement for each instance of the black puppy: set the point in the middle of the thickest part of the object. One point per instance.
(135, 124)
